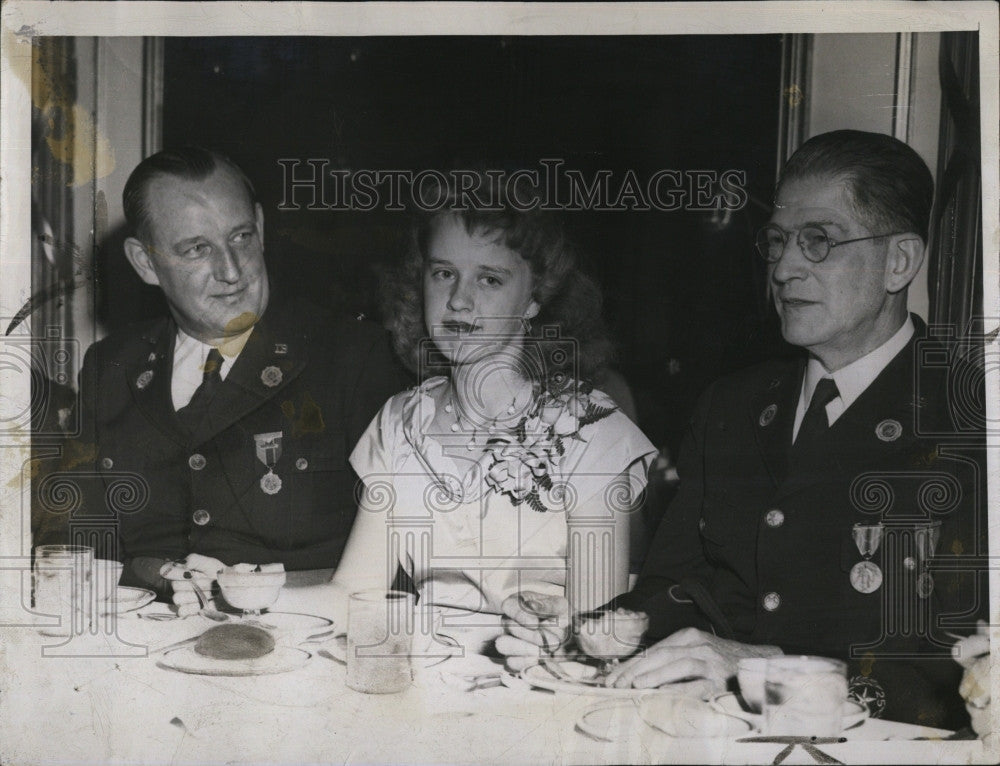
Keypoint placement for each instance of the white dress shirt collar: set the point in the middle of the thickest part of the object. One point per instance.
(852, 380)
(189, 364)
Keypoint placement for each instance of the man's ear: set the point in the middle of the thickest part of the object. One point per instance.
(259, 216)
(141, 261)
(903, 261)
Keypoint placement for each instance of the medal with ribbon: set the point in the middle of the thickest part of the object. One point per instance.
(269, 452)
(866, 577)
(925, 540)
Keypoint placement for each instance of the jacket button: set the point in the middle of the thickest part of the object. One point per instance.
(107, 463)
(774, 518)
(771, 601)
(197, 461)
(201, 517)
(302, 464)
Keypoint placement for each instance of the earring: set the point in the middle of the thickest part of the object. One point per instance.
(527, 326)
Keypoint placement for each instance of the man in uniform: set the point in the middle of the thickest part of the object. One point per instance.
(224, 428)
(815, 490)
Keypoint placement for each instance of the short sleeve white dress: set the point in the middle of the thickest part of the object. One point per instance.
(475, 520)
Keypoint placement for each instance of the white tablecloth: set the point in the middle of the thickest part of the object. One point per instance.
(97, 708)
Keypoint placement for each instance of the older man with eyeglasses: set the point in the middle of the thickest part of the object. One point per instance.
(816, 490)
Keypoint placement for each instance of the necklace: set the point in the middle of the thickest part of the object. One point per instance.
(460, 424)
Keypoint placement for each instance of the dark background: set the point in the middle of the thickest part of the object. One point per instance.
(684, 291)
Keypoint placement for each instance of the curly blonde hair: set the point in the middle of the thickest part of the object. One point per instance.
(570, 300)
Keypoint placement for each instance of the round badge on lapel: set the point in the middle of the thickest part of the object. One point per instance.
(889, 430)
(271, 376)
(767, 415)
(144, 379)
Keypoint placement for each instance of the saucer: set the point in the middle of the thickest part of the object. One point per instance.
(538, 676)
(853, 712)
(126, 599)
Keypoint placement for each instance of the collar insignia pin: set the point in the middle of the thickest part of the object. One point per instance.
(889, 430)
(151, 357)
(767, 415)
(280, 349)
(144, 379)
(271, 376)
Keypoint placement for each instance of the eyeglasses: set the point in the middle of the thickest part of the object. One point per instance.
(813, 240)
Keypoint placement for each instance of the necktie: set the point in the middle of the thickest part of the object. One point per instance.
(815, 423)
(192, 413)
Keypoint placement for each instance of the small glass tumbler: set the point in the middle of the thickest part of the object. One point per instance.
(380, 627)
(62, 584)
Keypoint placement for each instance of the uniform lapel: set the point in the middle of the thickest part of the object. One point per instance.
(772, 414)
(877, 425)
(880, 421)
(149, 378)
(268, 363)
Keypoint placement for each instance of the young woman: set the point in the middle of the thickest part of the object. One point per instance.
(503, 470)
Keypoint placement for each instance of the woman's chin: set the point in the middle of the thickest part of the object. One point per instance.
(466, 352)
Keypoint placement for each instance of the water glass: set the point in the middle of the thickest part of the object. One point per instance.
(379, 638)
(805, 696)
(62, 585)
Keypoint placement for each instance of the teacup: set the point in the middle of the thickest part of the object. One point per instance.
(107, 574)
(249, 590)
(751, 673)
(805, 696)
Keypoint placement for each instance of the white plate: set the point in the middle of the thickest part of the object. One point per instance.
(609, 720)
(126, 599)
(187, 660)
(683, 716)
(539, 676)
(442, 651)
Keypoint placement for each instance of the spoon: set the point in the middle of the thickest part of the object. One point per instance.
(207, 611)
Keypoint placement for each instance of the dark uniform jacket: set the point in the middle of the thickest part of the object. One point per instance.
(162, 492)
(758, 543)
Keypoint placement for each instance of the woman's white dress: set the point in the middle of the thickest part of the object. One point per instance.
(452, 516)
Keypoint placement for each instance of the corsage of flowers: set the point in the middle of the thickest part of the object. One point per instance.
(520, 463)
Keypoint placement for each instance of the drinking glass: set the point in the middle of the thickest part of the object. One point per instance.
(379, 639)
(63, 580)
(805, 696)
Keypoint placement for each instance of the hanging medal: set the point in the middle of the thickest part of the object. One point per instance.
(269, 452)
(926, 540)
(866, 577)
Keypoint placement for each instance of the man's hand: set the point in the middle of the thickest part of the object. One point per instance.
(973, 654)
(534, 623)
(184, 575)
(691, 659)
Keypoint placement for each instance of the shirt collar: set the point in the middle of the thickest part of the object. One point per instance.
(230, 348)
(853, 379)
